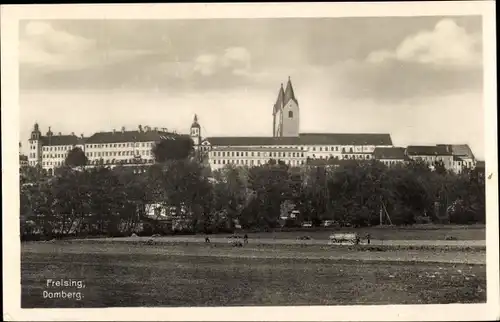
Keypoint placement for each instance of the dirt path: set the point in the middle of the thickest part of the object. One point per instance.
(270, 241)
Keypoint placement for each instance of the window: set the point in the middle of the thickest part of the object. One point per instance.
(290, 114)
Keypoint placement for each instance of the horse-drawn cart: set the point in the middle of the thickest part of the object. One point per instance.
(344, 239)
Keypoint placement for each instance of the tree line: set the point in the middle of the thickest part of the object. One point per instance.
(119, 201)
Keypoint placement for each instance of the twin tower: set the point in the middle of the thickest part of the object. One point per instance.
(285, 116)
(286, 113)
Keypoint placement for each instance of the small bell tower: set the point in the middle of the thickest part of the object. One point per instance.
(195, 131)
(35, 146)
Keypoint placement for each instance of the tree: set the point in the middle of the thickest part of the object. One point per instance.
(440, 168)
(31, 174)
(270, 184)
(76, 158)
(175, 148)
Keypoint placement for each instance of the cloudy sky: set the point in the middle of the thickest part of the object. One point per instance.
(418, 78)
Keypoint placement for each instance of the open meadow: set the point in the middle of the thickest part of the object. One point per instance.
(125, 274)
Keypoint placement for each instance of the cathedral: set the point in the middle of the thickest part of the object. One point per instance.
(287, 143)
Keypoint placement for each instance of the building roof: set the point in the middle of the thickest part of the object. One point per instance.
(462, 150)
(59, 140)
(252, 140)
(279, 100)
(393, 153)
(304, 139)
(345, 139)
(23, 157)
(130, 136)
(289, 93)
(428, 150)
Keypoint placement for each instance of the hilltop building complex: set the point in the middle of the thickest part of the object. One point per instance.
(286, 144)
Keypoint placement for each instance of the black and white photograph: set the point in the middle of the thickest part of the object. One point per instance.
(251, 161)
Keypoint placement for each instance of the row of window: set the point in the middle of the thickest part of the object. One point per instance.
(118, 153)
(125, 161)
(254, 162)
(66, 148)
(258, 154)
(97, 162)
(96, 146)
(120, 145)
(391, 162)
(331, 148)
(52, 163)
(57, 155)
(344, 150)
(96, 154)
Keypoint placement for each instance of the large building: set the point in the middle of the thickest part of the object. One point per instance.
(286, 144)
(102, 148)
(454, 157)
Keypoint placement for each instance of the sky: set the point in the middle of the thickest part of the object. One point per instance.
(417, 78)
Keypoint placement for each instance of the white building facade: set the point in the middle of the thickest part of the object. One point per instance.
(102, 148)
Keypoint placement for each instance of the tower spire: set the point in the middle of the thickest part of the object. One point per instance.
(289, 93)
(279, 100)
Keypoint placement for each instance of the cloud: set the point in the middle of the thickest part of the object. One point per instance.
(44, 47)
(234, 60)
(447, 45)
(206, 64)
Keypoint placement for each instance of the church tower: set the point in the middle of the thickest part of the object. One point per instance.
(290, 112)
(277, 113)
(195, 131)
(35, 146)
(286, 113)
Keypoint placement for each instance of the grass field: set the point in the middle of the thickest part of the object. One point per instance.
(422, 232)
(203, 275)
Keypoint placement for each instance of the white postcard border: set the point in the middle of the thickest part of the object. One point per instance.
(10, 138)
